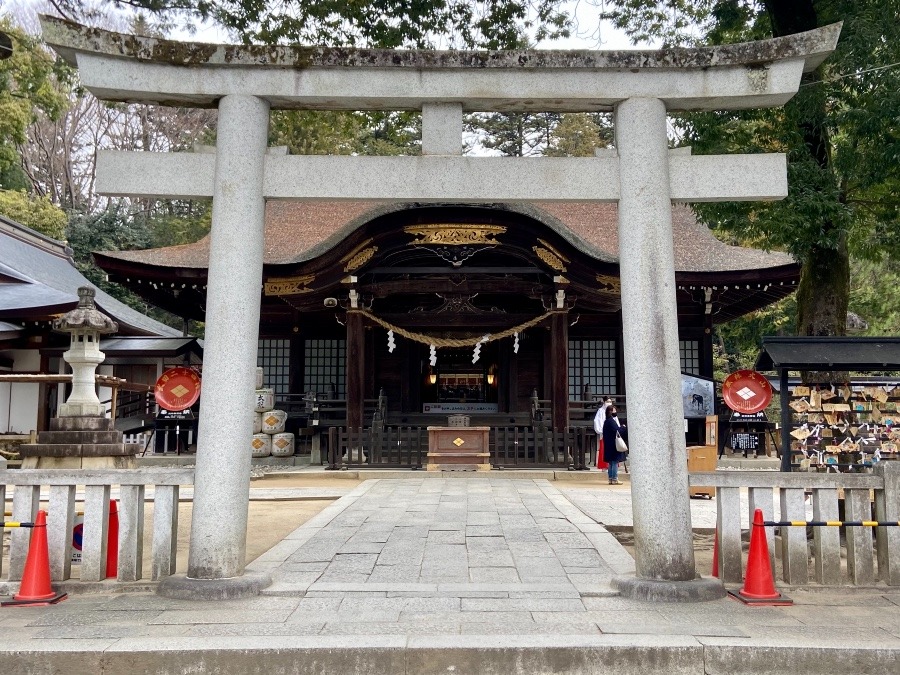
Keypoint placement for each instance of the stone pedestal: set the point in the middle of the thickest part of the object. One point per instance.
(79, 443)
(458, 449)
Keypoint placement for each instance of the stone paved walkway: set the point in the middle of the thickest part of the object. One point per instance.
(422, 535)
(471, 576)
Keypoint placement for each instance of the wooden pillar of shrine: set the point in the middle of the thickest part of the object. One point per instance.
(559, 369)
(356, 369)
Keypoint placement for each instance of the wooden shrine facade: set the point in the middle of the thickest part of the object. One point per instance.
(538, 287)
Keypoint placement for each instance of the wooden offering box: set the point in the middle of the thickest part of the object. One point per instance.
(458, 449)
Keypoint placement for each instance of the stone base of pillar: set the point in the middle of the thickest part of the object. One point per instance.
(85, 442)
(95, 463)
(181, 587)
(701, 589)
(81, 409)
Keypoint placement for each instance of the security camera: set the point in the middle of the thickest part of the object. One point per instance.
(331, 302)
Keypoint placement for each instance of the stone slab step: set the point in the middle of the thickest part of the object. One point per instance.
(460, 467)
(81, 424)
(79, 436)
(79, 450)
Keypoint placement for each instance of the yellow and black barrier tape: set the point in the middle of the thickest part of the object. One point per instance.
(831, 523)
(13, 523)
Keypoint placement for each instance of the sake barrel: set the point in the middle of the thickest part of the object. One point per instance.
(257, 423)
(261, 445)
(282, 445)
(259, 378)
(265, 399)
(273, 421)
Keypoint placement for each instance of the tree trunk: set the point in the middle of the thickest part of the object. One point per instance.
(823, 295)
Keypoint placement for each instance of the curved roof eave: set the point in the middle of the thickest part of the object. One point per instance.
(546, 219)
(47, 281)
(697, 249)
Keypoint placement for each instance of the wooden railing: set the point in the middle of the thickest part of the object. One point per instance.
(406, 447)
(327, 412)
(381, 446)
(114, 383)
(581, 411)
(865, 546)
(60, 493)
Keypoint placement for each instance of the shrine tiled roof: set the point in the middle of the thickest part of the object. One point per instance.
(300, 231)
(38, 278)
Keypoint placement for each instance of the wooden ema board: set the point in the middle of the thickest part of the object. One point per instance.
(844, 427)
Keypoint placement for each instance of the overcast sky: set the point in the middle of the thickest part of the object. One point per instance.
(587, 34)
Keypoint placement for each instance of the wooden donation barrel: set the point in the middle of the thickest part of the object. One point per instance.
(273, 421)
(282, 445)
(265, 400)
(261, 445)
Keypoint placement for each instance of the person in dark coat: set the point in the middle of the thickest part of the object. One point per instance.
(611, 454)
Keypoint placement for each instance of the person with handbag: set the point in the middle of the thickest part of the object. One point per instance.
(599, 419)
(615, 447)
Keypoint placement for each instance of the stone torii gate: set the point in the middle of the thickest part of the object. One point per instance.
(641, 174)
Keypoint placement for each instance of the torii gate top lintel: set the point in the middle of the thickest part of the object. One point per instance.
(753, 74)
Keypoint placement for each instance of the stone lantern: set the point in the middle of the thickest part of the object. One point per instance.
(85, 324)
(81, 437)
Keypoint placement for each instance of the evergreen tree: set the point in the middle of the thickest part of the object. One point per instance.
(27, 87)
(839, 132)
(38, 213)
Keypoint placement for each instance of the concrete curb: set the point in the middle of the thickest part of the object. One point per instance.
(461, 655)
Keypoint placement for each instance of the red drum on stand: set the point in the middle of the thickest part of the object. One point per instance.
(746, 391)
(177, 389)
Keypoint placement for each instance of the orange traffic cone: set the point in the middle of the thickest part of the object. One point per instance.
(35, 588)
(715, 565)
(759, 584)
(112, 541)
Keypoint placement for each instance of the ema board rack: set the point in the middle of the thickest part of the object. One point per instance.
(844, 427)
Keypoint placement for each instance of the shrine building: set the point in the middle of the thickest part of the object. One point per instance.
(539, 284)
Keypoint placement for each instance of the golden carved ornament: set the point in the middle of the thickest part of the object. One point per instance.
(553, 251)
(549, 258)
(360, 259)
(455, 235)
(288, 285)
(608, 283)
(356, 250)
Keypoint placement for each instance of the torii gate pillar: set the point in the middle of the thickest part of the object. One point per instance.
(222, 476)
(664, 553)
